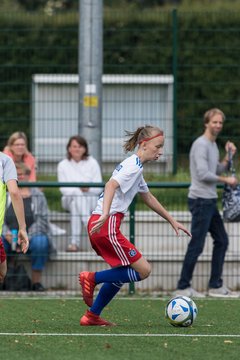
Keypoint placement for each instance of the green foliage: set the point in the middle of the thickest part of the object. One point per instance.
(138, 41)
(31, 44)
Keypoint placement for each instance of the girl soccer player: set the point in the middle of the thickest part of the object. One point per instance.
(127, 263)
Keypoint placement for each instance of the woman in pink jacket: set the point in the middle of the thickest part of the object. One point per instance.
(17, 149)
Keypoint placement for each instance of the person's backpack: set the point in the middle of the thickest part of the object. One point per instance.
(17, 279)
(231, 203)
(231, 197)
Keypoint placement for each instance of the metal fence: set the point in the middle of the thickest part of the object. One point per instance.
(152, 235)
(165, 67)
(197, 51)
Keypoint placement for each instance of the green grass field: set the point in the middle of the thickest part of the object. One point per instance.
(43, 328)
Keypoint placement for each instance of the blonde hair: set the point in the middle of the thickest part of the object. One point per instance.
(210, 113)
(138, 136)
(15, 136)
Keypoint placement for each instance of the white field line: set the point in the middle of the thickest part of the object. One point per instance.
(57, 297)
(123, 335)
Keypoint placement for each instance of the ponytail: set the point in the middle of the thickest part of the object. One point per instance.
(132, 142)
(143, 133)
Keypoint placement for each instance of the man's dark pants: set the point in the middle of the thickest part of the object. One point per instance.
(205, 218)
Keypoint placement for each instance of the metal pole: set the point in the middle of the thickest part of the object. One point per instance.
(175, 65)
(90, 74)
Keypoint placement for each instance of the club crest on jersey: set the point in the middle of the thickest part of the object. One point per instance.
(132, 252)
(118, 167)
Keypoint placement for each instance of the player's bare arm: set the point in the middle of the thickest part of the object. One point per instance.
(150, 200)
(109, 192)
(19, 211)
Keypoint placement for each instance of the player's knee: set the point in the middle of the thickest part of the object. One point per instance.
(146, 271)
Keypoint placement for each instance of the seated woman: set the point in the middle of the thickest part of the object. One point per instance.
(17, 149)
(78, 167)
(36, 215)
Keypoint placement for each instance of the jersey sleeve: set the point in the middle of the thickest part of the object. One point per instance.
(143, 188)
(126, 174)
(9, 172)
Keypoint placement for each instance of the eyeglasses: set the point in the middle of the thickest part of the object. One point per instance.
(19, 144)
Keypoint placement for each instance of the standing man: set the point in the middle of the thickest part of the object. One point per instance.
(205, 170)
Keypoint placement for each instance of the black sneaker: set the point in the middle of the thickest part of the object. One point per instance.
(37, 287)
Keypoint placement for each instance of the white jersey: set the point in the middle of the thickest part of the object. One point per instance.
(128, 174)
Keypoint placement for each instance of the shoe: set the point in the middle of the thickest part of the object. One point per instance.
(87, 282)
(190, 292)
(37, 287)
(90, 319)
(223, 291)
(56, 230)
(72, 248)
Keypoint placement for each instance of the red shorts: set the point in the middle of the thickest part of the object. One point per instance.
(110, 244)
(2, 252)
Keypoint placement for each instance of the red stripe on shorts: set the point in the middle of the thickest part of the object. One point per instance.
(111, 244)
(114, 241)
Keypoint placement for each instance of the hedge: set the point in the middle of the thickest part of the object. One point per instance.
(140, 42)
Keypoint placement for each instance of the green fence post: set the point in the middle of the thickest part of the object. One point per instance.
(132, 207)
(174, 69)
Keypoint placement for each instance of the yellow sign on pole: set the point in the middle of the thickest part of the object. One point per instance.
(90, 101)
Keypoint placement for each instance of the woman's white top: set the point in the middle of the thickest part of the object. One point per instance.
(86, 171)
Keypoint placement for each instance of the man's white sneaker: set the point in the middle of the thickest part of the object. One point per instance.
(190, 292)
(223, 292)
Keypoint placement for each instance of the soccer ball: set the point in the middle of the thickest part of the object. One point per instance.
(181, 311)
